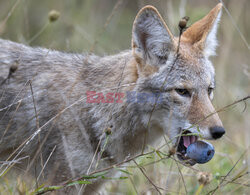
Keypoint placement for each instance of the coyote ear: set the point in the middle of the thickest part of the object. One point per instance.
(151, 39)
(203, 32)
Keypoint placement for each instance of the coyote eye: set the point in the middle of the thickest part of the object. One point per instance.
(183, 92)
(210, 90)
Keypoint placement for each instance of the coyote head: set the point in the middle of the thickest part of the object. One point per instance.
(185, 80)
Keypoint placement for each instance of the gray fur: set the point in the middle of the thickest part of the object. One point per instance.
(61, 80)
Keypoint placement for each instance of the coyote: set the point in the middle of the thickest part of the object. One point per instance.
(57, 108)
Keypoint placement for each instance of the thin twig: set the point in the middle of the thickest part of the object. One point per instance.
(177, 167)
(38, 33)
(143, 172)
(117, 5)
(9, 14)
(222, 109)
(161, 90)
(214, 190)
(37, 124)
(46, 162)
(236, 26)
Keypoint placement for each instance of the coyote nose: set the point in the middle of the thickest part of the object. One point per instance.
(217, 132)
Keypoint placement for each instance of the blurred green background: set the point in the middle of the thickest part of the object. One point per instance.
(84, 23)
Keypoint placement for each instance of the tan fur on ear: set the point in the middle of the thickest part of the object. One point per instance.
(142, 40)
(199, 31)
(151, 8)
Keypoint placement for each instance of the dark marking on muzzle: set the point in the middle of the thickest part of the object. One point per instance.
(217, 132)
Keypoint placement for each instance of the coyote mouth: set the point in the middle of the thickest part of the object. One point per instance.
(192, 151)
(185, 140)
